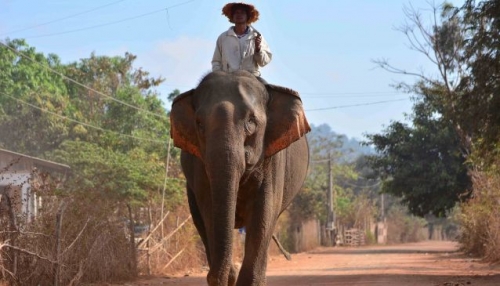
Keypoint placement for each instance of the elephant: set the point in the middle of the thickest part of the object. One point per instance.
(245, 156)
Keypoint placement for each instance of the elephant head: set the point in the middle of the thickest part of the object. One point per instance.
(276, 117)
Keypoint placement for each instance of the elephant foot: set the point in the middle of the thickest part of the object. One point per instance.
(252, 282)
(215, 280)
(246, 278)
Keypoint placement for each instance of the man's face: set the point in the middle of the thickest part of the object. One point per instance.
(240, 16)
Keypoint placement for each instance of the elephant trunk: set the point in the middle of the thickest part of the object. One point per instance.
(225, 164)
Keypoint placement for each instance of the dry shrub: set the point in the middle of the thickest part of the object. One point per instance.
(480, 218)
(402, 227)
(81, 239)
(178, 250)
(173, 247)
(94, 243)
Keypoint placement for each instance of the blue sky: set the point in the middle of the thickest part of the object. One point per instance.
(323, 49)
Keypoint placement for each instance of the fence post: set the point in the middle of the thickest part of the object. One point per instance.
(59, 218)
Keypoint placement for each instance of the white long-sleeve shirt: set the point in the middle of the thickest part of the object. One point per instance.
(233, 53)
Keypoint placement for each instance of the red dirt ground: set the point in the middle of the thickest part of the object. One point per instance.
(424, 263)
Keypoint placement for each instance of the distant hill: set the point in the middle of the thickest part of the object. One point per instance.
(350, 146)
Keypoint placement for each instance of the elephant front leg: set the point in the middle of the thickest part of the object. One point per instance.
(198, 222)
(257, 240)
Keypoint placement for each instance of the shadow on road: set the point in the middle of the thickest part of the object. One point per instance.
(389, 279)
(426, 263)
(360, 251)
(356, 279)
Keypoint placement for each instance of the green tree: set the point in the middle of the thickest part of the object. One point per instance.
(173, 94)
(103, 118)
(133, 129)
(113, 95)
(422, 164)
(425, 164)
(463, 44)
(324, 144)
(479, 102)
(26, 83)
(99, 115)
(443, 45)
(130, 177)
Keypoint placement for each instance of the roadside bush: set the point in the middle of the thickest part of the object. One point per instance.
(173, 247)
(403, 227)
(480, 218)
(370, 237)
(85, 237)
(71, 240)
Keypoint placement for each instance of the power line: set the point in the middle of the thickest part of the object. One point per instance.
(347, 95)
(359, 92)
(61, 19)
(322, 94)
(159, 115)
(361, 187)
(81, 84)
(110, 23)
(79, 122)
(354, 105)
(156, 114)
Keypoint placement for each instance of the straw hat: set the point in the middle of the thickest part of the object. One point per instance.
(252, 13)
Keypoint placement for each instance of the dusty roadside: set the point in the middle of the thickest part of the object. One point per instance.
(424, 263)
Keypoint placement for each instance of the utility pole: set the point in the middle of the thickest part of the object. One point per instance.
(381, 224)
(382, 211)
(330, 224)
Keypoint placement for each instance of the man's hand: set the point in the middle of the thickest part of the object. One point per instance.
(258, 40)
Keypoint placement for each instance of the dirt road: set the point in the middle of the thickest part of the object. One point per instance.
(425, 263)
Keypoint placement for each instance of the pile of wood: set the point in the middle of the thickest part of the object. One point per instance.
(354, 237)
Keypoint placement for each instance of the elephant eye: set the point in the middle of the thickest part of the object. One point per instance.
(200, 126)
(250, 125)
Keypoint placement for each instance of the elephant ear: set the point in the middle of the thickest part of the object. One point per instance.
(286, 121)
(182, 123)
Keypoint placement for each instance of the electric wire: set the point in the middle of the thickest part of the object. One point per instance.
(155, 114)
(160, 115)
(355, 105)
(349, 93)
(110, 23)
(79, 122)
(362, 187)
(80, 84)
(85, 86)
(354, 96)
(135, 107)
(60, 19)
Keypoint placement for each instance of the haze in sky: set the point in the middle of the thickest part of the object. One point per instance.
(323, 49)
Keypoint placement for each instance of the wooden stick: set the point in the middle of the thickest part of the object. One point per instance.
(77, 237)
(28, 252)
(173, 258)
(156, 227)
(282, 249)
(169, 235)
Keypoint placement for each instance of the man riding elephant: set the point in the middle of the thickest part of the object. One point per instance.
(241, 47)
